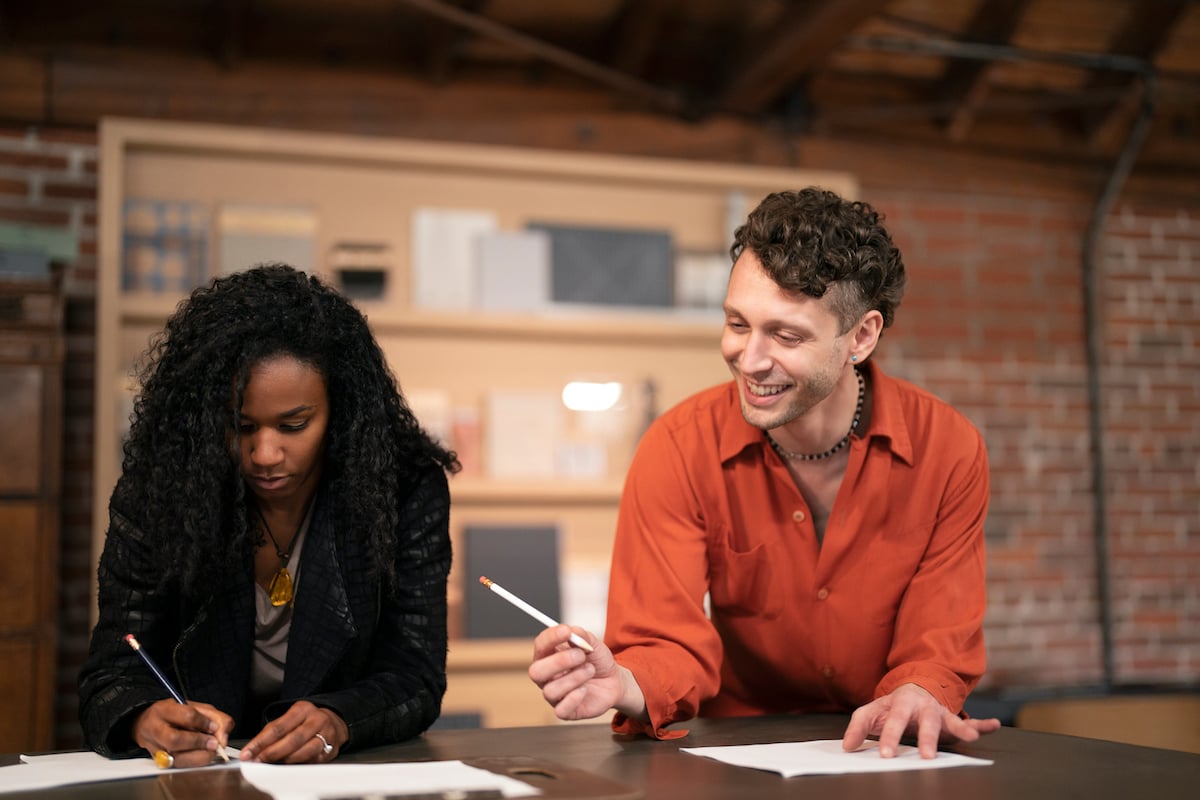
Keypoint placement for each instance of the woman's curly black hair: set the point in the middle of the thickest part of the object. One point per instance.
(812, 240)
(181, 478)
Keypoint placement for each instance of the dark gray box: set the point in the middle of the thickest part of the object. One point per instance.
(610, 266)
(523, 560)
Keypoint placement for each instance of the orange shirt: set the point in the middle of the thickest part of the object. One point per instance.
(894, 595)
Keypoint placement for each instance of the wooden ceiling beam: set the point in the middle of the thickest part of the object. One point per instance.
(964, 85)
(801, 41)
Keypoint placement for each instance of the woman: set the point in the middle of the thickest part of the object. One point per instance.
(278, 540)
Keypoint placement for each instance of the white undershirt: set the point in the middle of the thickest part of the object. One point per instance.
(272, 624)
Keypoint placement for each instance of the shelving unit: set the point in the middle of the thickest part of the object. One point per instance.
(363, 189)
(32, 349)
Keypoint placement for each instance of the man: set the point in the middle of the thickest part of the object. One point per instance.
(807, 537)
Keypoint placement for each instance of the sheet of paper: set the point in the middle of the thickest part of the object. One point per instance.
(826, 757)
(64, 769)
(317, 781)
(443, 256)
(512, 270)
(522, 431)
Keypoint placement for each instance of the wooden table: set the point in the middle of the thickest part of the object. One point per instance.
(1028, 766)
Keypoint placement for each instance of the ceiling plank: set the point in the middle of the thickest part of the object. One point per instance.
(664, 100)
(964, 85)
(231, 32)
(444, 42)
(1142, 34)
(802, 40)
(637, 26)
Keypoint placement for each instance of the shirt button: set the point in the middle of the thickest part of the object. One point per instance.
(798, 516)
(822, 593)
(827, 671)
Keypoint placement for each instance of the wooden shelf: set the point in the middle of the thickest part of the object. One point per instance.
(484, 492)
(570, 322)
(485, 655)
(587, 323)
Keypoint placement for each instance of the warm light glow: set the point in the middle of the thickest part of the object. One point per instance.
(585, 396)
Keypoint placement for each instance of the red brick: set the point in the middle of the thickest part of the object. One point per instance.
(69, 191)
(14, 187)
(33, 160)
(35, 216)
(996, 219)
(929, 213)
(85, 136)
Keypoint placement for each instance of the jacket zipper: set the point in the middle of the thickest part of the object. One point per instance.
(179, 643)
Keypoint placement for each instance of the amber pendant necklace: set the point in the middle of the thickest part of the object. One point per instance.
(280, 589)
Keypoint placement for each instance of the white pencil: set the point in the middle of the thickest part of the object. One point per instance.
(546, 620)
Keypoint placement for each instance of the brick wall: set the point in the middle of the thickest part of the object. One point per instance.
(1152, 415)
(992, 322)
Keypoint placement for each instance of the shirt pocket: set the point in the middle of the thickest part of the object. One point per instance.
(747, 583)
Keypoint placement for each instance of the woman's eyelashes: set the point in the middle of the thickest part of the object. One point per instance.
(245, 428)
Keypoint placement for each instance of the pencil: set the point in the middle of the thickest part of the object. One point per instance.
(546, 620)
(137, 648)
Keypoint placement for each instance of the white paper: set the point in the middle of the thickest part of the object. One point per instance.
(431, 407)
(585, 594)
(522, 430)
(513, 270)
(443, 256)
(316, 781)
(64, 769)
(826, 757)
(701, 279)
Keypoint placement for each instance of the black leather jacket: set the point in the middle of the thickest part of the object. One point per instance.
(376, 658)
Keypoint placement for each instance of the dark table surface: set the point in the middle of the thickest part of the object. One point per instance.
(1028, 766)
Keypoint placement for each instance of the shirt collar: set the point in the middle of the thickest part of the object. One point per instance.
(887, 420)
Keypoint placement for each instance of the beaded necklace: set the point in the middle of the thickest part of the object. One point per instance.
(845, 440)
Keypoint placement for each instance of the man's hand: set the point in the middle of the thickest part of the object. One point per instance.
(305, 734)
(581, 685)
(190, 733)
(907, 710)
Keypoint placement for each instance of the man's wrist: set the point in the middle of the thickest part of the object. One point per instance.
(633, 702)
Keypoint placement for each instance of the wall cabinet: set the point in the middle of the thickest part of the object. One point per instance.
(357, 198)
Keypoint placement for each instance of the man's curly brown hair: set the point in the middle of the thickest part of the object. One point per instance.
(813, 242)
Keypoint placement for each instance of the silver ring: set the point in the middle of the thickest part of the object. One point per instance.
(326, 747)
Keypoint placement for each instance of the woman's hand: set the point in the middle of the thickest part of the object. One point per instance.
(306, 734)
(190, 734)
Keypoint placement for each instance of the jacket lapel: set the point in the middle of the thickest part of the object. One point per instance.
(214, 652)
(323, 624)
